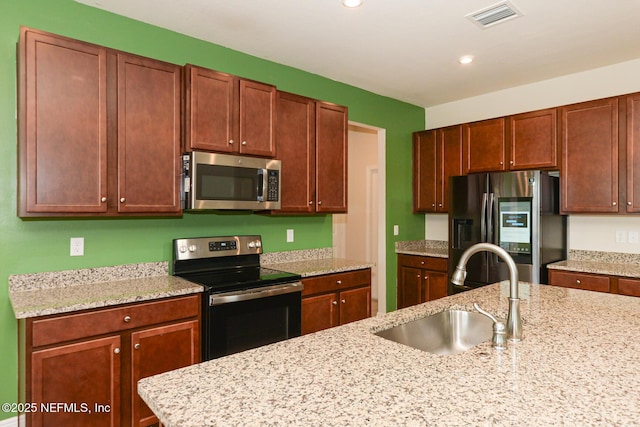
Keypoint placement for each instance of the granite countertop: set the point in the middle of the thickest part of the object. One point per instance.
(317, 267)
(577, 365)
(41, 294)
(608, 263)
(433, 248)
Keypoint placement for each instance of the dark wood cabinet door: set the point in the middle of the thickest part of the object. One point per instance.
(148, 135)
(410, 287)
(331, 158)
(157, 350)
(211, 116)
(83, 373)
(319, 312)
(533, 140)
(629, 287)
(590, 157)
(295, 139)
(355, 304)
(425, 171)
(63, 126)
(633, 153)
(437, 285)
(450, 162)
(485, 146)
(257, 119)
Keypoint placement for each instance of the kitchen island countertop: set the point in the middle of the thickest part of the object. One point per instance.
(577, 365)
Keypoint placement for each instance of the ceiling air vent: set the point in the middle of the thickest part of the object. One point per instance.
(493, 15)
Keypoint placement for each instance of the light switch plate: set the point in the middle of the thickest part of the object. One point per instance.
(396, 230)
(621, 236)
(77, 246)
(290, 235)
(633, 237)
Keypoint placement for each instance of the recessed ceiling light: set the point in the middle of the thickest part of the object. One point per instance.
(467, 59)
(351, 3)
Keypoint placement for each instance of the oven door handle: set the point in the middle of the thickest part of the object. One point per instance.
(249, 294)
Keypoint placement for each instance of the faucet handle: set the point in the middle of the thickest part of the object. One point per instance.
(499, 340)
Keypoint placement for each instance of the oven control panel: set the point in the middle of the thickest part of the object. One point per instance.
(210, 247)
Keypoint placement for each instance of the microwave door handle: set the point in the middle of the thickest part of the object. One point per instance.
(261, 183)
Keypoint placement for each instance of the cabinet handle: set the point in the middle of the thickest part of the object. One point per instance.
(422, 262)
(433, 205)
(231, 142)
(615, 203)
(510, 162)
(137, 346)
(244, 142)
(320, 202)
(116, 350)
(334, 302)
(104, 199)
(418, 276)
(501, 163)
(578, 281)
(440, 204)
(127, 319)
(122, 200)
(310, 202)
(339, 282)
(343, 301)
(629, 203)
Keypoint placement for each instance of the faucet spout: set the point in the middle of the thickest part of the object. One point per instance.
(514, 319)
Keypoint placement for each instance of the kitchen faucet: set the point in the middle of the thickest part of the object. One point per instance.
(514, 320)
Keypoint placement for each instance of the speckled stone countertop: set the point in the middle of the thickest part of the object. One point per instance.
(41, 294)
(577, 365)
(433, 248)
(312, 262)
(608, 263)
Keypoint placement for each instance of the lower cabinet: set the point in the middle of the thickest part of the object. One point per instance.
(420, 279)
(595, 282)
(82, 369)
(335, 299)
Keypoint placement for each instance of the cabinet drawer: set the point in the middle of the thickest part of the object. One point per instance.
(589, 282)
(76, 326)
(424, 262)
(629, 287)
(334, 282)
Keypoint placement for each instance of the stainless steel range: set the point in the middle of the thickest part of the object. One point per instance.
(244, 305)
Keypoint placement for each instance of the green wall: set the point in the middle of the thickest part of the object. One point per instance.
(28, 246)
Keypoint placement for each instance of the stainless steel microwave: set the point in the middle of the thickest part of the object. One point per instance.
(223, 181)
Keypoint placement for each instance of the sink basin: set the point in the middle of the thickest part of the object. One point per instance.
(444, 333)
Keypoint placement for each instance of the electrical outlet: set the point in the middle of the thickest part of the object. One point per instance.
(633, 237)
(77, 246)
(621, 236)
(290, 236)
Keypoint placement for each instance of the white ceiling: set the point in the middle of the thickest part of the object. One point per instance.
(409, 49)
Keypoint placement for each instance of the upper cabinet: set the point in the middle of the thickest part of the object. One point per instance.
(589, 176)
(99, 130)
(633, 153)
(312, 145)
(485, 146)
(331, 157)
(533, 140)
(227, 114)
(437, 155)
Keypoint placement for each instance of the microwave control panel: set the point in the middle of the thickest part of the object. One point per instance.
(273, 185)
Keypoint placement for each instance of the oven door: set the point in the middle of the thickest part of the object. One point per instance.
(238, 321)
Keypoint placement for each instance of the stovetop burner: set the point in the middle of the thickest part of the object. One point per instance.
(223, 264)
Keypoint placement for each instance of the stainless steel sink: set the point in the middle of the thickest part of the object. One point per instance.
(447, 332)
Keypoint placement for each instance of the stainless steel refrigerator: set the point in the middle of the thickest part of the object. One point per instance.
(518, 211)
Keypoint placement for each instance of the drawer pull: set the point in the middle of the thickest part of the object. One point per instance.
(127, 319)
(339, 282)
(578, 281)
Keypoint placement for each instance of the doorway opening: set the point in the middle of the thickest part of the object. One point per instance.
(359, 234)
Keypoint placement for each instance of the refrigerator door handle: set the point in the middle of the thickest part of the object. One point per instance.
(490, 236)
(483, 218)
